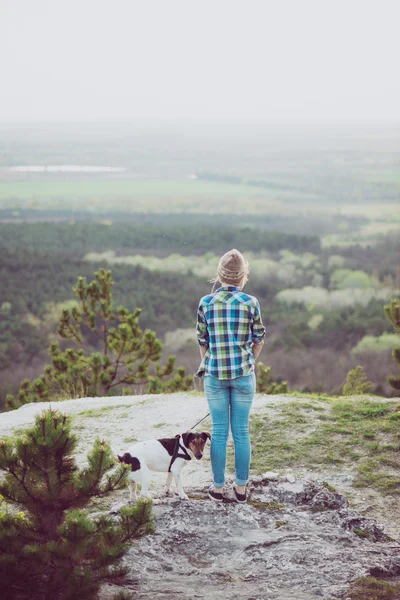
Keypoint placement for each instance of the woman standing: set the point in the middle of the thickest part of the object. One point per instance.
(230, 334)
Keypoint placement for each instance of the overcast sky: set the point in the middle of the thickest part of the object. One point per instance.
(261, 60)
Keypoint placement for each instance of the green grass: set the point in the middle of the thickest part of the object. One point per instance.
(362, 434)
(145, 196)
(129, 439)
(95, 412)
(118, 188)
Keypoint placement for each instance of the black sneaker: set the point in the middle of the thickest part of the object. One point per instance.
(213, 495)
(240, 498)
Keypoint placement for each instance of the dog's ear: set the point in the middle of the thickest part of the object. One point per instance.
(126, 458)
(186, 437)
(205, 435)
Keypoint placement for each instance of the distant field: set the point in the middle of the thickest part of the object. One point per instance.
(148, 196)
(383, 176)
(117, 188)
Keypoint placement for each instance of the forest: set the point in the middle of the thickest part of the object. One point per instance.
(320, 231)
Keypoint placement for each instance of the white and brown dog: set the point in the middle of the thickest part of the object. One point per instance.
(168, 455)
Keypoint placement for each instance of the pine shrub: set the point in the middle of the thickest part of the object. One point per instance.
(128, 356)
(356, 383)
(264, 383)
(392, 312)
(50, 546)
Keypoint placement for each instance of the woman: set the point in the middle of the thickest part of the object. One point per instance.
(230, 334)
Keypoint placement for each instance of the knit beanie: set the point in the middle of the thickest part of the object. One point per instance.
(233, 269)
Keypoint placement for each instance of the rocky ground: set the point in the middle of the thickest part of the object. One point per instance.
(296, 539)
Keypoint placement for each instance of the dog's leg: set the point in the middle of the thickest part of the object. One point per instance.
(168, 482)
(144, 478)
(132, 491)
(178, 483)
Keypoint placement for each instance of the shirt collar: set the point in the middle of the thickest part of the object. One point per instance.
(228, 288)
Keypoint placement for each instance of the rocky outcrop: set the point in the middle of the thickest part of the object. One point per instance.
(290, 542)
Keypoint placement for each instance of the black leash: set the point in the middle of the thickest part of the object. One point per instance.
(207, 415)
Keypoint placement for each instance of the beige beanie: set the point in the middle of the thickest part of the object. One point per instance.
(233, 269)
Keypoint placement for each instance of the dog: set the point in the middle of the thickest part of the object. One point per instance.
(168, 455)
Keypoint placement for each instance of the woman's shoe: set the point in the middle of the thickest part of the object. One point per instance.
(240, 498)
(213, 495)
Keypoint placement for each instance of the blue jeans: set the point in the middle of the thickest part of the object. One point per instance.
(230, 402)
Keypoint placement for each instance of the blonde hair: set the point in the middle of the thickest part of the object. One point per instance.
(233, 269)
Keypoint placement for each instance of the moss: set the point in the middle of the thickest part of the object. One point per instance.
(279, 524)
(369, 588)
(362, 533)
(328, 487)
(265, 505)
(196, 497)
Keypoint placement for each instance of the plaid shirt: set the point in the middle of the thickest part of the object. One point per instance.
(228, 323)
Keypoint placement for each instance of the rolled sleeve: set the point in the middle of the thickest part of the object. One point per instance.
(201, 328)
(258, 329)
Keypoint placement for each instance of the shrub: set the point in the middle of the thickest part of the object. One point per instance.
(356, 383)
(264, 383)
(50, 548)
(392, 312)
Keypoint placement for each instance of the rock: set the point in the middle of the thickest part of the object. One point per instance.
(306, 493)
(291, 478)
(200, 546)
(116, 507)
(270, 476)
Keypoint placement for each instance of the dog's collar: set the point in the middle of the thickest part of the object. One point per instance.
(185, 455)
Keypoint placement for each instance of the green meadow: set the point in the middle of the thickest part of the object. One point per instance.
(109, 188)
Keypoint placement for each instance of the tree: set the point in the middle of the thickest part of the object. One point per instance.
(392, 312)
(125, 359)
(53, 549)
(265, 385)
(356, 383)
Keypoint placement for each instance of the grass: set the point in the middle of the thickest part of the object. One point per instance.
(129, 439)
(362, 434)
(369, 588)
(95, 412)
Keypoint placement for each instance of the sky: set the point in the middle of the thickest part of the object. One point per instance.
(207, 60)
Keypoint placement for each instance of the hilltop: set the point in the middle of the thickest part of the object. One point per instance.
(322, 485)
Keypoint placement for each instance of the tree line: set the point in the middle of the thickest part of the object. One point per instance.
(78, 238)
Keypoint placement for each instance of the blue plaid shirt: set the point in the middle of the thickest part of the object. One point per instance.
(228, 323)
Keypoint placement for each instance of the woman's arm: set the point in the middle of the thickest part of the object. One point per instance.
(202, 331)
(258, 332)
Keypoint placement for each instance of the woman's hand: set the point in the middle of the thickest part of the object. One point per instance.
(257, 349)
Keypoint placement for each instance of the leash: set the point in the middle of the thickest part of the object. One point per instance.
(198, 422)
